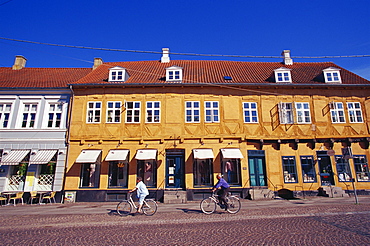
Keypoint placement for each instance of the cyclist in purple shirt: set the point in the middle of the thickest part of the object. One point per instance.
(223, 191)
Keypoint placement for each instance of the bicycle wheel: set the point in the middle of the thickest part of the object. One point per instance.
(234, 205)
(208, 205)
(124, 208)
(149, 207)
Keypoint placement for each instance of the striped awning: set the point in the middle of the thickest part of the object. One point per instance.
(203, 154)
(117, 155)
(88, 156)
(14, 157)
(42, 156)
(146, 154)
(232, 153)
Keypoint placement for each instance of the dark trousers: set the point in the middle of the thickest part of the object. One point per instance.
(222, 193)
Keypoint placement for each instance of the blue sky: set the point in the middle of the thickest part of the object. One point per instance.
(234, 27)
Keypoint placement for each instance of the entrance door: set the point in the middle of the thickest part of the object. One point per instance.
(326, 171)
(257, 168)
(174, 171)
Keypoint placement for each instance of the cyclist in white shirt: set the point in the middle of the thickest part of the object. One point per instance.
(142, 192)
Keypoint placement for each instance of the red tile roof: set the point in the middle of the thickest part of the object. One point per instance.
(204, 71)
(40, 77)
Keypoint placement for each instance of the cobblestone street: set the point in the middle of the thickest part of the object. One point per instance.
(313, 221)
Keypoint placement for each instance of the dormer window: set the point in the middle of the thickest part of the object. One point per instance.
(331, 75)
(118, 74)
(174, 73)
(283, 75)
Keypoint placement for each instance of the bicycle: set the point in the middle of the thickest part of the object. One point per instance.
(209, 205)
(125, 207)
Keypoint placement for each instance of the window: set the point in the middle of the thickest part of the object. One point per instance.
(133, 112)
(289, 169)
(174, 73)
(303, 112)
(55, 115)
(211, 112)
(5, 109)
(117, 74)
(192, 112)
(29, 115)
(118, 175)
(354, 112)
(361, 167)
(231, 171)
(153, 112)
(250, 112)
(282, 75)
(148, 170)
(332, 74)
(337, 112)
(114, 112)
(202, 171)
(90, 175)
(93, 112)
(286, 113)
(308, 169)
(343, 169)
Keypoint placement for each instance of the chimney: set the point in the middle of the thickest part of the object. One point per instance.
(97, 62)
(19, 63)
(165, 55)
(287, 59)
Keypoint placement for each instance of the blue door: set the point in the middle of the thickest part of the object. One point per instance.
(257, 168)
(174, 171)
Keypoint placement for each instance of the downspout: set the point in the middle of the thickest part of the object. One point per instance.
(67, 139)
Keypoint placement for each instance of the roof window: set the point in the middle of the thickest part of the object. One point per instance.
(332, 75)
(118, 74)
(174, 73)
(283, 75)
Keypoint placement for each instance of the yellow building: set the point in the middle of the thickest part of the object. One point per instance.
(268, 127)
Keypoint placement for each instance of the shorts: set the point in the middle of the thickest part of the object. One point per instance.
(141, 199)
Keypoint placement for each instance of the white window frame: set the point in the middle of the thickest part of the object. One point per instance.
(117, 74)
(303, 114)
(283, 75)
(113, 112)
(211, 111)
(192, 111)
(332, 75)
(174, 73)
(250, 111)
(29, 113)
(153, 112)
(337, 114)
(135, 110)
(93, 113)
(286, 113)
(355, 112)
(53, 109)
(4, 112)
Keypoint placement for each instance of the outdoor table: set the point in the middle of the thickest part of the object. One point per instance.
(8, 195)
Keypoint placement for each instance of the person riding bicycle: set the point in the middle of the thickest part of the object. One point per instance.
(223, 191)
(142, 192)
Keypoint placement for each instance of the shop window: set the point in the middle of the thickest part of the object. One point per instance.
(361, 167)
(90, 175)
(289, 169)
(308, 169)
(202, 171)
(231, 171)
(118, 175)
(343, 169)
(147, 169)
